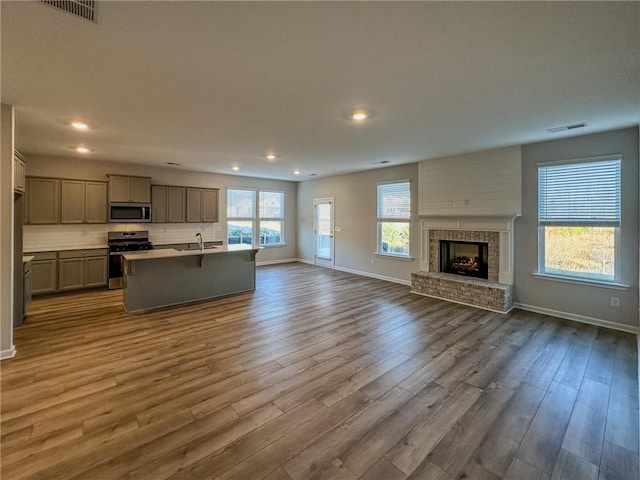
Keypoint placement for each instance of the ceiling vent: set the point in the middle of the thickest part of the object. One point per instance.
(564, 128)
(80, 8)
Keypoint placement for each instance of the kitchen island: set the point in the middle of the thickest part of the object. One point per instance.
(159, 278)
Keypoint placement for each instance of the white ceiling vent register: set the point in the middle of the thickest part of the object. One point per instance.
(80, 8)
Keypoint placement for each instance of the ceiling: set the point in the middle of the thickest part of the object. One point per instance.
(211, 85)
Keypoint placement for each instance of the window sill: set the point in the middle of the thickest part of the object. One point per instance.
(273, 245)
(581, 281)
(389, 255)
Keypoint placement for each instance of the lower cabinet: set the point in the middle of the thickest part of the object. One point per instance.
(44, 273)
(82, 269)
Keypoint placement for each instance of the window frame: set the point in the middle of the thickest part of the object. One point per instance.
(381, 220)
(280, 219)
(571, 276)
(257, 219)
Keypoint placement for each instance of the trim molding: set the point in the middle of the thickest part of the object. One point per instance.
(357, 272)
(274, 262)
(578, 318)
(9, 353)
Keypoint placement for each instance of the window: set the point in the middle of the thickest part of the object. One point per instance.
(250, 224)
(394, 212)
(241, 216)
(579, 218)
(271, 208)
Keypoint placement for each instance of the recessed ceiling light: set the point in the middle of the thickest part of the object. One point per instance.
(296, 172)
(235, 168)
(359, 115)
(80, 125)
(271, 156)
(82, 150)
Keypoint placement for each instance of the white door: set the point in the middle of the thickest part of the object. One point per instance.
(323, 231)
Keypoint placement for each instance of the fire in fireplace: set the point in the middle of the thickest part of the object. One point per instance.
(464, 258)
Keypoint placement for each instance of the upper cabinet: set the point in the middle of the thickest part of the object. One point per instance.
(19, 179)
(43, 201)
(129, 189)
(168, 204)
(83, 201)
(202, 205)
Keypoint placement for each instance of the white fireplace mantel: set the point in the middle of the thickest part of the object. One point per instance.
(504, 225)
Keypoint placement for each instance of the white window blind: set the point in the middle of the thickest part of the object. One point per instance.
(584, 193)
(394, 201)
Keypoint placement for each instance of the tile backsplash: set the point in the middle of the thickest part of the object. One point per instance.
(39, 238)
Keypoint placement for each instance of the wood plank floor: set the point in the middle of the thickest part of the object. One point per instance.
(318, 374)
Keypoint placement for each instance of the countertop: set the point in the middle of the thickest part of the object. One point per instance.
(171, 253)
(27, 258)
(65, 249)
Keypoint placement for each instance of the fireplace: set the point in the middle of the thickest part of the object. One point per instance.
(464, 258)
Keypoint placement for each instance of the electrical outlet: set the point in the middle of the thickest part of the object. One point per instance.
(615, 301)
(373, 261)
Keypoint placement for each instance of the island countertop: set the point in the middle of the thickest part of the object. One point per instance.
(172, 253)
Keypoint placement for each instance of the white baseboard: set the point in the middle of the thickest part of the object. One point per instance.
(578, 318)
(8, 353)
(359, 272)
(275, 262)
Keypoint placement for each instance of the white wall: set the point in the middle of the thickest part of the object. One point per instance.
(355, 215)
(592, 303)
(36, 236)
(485, 183)
(6, 234)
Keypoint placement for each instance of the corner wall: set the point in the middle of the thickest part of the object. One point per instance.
(355, 215)
(580, 302)
(7, 349)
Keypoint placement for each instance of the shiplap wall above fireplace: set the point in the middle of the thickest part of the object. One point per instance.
(485, 184)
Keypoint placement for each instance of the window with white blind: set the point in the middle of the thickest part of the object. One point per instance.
(579, 205)
(394, 214)
(250, 223)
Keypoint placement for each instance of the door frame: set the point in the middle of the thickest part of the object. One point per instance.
(323, 262)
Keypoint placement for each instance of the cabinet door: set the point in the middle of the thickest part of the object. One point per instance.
(70, 273)
(95, 202)
(119, 189)
(159, 201)
(140, 190)
(176, 204)
(44, 200)
(18, 175)
(72, 201)
(210, 205)
(22, 171)
(194, 205)
(44, 276)
(95, 271)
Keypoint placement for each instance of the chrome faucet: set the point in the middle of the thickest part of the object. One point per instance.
(200, 241)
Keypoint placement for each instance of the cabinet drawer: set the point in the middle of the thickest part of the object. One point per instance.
(93, 252)
(44, 256)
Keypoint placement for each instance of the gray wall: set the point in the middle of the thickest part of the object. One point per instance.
(89, 169)
(580, 300)
(6, 234)
(355, 214)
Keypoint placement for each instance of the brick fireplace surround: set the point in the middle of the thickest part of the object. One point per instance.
(494, 293)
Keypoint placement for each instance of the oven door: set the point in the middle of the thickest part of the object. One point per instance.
(115, 270)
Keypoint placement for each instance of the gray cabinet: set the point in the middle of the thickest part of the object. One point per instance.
(202, 205)
(43, 200)
(82, 269)
(83, 201)
(44, 273)
(129, 189)
(168, 204)
(19, 170)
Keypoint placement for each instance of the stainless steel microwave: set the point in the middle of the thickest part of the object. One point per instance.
(129, 212)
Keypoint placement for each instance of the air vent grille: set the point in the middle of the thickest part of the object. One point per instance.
(80, 8)
(564, 128)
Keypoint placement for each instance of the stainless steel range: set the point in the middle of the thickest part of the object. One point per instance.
(124, 242)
